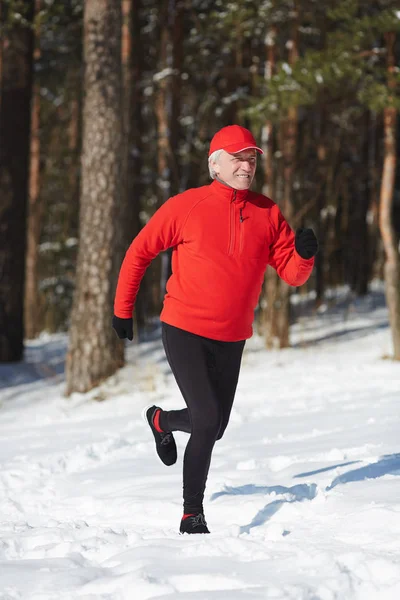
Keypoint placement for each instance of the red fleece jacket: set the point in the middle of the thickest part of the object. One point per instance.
(222, 241)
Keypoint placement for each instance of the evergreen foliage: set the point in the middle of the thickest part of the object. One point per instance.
(337, 84)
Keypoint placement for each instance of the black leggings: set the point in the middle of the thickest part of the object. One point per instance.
(207, 373)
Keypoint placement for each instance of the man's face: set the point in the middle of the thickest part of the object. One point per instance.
(237, 170)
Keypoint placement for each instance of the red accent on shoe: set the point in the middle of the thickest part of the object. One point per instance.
(156, 421)
(186, 516)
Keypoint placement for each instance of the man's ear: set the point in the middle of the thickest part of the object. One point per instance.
(215, 167)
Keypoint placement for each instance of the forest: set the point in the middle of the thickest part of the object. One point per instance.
(107, 108)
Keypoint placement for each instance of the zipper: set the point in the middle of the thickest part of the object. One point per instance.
(232, 225)
(241, 228)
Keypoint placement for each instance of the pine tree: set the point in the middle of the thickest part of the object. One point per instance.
(389, 236)
(94, 351)
(16, 53)
(35, 207)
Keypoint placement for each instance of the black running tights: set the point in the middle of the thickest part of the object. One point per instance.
(207, 373)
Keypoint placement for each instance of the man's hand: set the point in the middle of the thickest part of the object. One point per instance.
(123, 327)
(306, 243)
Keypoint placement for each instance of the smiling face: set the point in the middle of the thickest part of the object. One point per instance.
(236, 170)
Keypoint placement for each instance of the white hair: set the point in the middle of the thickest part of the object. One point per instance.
(213, 158)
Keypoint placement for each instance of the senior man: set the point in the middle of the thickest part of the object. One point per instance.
(223, 237)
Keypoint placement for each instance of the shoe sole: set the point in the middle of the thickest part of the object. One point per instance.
(194, 532)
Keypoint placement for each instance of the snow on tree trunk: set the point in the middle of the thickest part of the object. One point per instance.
(94, 350)
(16, 52)
(390, 241)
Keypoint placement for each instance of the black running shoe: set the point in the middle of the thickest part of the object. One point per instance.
(194, 524)
(165, 443)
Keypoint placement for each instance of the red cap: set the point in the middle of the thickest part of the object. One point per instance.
(233, 139)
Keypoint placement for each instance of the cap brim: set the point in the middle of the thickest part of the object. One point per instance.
(235, 148)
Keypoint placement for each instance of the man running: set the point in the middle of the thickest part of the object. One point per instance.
(222, 236)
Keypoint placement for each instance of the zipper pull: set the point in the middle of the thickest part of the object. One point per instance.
(241, 216)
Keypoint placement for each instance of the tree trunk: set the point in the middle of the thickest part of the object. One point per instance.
(168, 102)
(130, 192)
(177, 27)
(271, 280)
(127, 98)
(2, 20)
(35, 212)
(161, 110)
(94, 350)
(377, 252)
(15, 98)
(289, 158)
(363, 268)
(392, 263)
(323, 219)
(74, 85)
(135, 149)
(328, 240)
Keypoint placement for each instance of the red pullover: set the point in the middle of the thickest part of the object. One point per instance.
(222, 241)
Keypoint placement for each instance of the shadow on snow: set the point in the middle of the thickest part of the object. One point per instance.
(42, 360)
(387, 465)
(324, 469)
(296, 493)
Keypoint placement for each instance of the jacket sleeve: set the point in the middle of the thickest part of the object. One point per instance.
(284, 258)
(163, 231)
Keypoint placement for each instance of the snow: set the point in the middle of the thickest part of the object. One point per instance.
(303, 496)
(163, 74)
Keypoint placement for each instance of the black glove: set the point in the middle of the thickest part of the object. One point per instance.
(123, 327)
(306, 243)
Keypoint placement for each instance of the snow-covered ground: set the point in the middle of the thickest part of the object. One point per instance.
(303, 497)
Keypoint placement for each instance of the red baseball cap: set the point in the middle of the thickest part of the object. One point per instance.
(232, 139)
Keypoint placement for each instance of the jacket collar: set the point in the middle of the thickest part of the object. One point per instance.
(224, 190)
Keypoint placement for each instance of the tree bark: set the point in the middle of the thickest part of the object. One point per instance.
(289, 158)
(35, 211)
(15, 98)
(168, 104)
(161, 108)
(377, 252)
(362, 265)
(177, 27)
(161, 104)
(270, 287)
(94, 350)
(74, 84)
(136, 146)
(323, 220)
(389, 238)
(130, 198)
